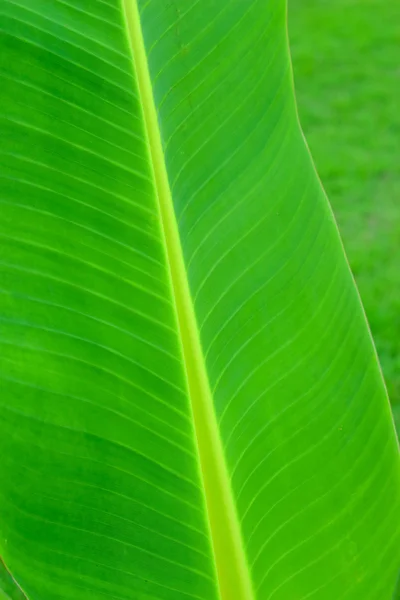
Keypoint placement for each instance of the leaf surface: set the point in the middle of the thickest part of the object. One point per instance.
(191, 405)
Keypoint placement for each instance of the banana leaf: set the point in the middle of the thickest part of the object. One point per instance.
(191, 406)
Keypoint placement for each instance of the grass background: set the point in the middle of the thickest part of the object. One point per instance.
(346, 61)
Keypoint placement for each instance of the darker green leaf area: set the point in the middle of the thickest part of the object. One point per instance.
(8, 588)
(347, 80)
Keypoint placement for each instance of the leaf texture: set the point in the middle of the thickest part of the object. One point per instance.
(191, 406)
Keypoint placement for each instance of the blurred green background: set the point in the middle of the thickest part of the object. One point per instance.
(346, 61)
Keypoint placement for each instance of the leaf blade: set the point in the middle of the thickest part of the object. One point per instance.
(301, 409)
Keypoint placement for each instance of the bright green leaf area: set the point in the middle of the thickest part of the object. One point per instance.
(191, 405)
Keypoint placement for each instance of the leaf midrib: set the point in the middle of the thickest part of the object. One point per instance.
(230, 560)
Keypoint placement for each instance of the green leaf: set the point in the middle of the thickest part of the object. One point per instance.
(396, 594)
(9, 589)
(191, 405)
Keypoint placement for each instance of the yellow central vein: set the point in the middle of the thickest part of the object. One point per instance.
(230, 560)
